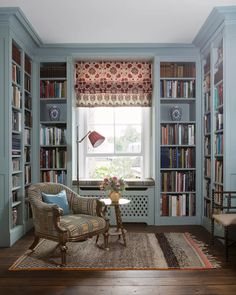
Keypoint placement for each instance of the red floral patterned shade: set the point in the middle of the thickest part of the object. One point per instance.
(113, 83)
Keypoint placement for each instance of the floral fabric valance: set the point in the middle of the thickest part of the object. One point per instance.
(113, 83)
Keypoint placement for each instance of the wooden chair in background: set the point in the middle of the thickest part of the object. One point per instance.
(223, 213)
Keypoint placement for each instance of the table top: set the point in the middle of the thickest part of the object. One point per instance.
(108, 202)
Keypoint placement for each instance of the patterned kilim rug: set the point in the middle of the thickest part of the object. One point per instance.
(144, 251)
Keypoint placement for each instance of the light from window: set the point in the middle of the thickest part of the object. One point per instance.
(123, 151)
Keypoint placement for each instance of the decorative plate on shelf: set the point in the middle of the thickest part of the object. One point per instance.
(175, 113)
(54, 113)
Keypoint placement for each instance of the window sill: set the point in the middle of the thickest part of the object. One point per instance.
(132, 183)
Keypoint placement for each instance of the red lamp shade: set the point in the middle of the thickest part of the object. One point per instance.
(96, 139)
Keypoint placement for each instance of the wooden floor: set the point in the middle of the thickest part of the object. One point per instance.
(169, 282)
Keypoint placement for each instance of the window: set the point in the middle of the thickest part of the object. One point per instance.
(126, 149)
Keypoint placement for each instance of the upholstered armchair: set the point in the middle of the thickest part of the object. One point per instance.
(85, 218)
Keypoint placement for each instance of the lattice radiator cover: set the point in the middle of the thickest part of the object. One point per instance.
(140, 208)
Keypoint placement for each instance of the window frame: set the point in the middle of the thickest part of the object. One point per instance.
(80, 119)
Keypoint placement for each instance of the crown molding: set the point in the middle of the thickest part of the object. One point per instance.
(9, 15)
(218, 17)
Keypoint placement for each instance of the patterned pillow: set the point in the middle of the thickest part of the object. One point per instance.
(59, 199)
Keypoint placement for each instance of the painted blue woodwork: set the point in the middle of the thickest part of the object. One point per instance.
(15, 26)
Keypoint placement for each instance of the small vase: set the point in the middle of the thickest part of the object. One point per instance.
(114, 196)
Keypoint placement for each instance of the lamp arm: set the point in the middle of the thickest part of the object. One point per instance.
(79, 141)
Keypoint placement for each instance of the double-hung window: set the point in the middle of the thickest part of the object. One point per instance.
(114, 99)
(126, 148)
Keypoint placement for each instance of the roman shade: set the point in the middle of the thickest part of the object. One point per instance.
(113, 83)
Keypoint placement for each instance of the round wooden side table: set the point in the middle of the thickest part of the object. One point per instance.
(119, 230)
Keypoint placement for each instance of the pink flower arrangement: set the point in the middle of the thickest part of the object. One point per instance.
(113, 184)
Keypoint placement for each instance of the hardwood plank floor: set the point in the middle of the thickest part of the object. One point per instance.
(213, 282)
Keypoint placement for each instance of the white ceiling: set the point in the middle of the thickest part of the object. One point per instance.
(116, 21)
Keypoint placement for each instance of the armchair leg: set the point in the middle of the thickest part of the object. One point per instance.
(226, 243)
(63, 249)
(35, 242)
(106, 235)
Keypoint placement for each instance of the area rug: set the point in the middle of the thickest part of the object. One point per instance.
(144, 251)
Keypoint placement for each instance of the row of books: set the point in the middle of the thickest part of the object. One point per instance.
(219, 171)
(53, 176)
(219, 121)
(219, 52)
(219, 144)
(207, 145)
(207, 167)
(207, 83)
(14, 217)
(27, 153)
(174, 181)
(16, 54)
(28, 119)
(218, 95)
(177, 89)
(27, 174)
(207, 188)
(51, 71)
(16, 180)
(28, 211)
(207, 65)
(218, 76)
(53, 158)
(27, 83)
(52, 89)
(207, 208)
(218, 188)
(16, 142)
(16, 74)
(207, 102)
(27, 138)
(16, 97)
(52, 136)
(178, 205)
(178, 134)
(15, 164)
(16, 121)
(15, 197)
(177, 157)
(177, 70)
(28, 101)
(27, 65)
(207, 123)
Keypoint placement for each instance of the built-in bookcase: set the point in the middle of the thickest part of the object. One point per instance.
(28, 129)
(53, 122)
(218, 126)
(177, 139)
(17, 139)
(213, 124)
(207, 135)
(21, 139)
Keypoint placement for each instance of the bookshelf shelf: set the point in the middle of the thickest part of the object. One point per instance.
(14, 204)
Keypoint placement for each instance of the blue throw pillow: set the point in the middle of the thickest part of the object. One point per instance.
(59, 199)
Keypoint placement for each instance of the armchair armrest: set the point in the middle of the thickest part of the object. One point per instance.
(84, 205)
(47, 218)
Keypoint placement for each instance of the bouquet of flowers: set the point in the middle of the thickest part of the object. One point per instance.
(113, 184)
